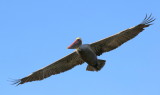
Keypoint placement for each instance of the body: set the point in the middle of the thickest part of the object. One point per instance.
(87, 54)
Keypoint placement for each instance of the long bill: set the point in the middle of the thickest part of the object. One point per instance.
(75, 44)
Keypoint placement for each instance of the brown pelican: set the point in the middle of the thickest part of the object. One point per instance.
(87, 53)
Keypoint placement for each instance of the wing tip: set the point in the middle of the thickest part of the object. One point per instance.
(148, 20)
(16, 82)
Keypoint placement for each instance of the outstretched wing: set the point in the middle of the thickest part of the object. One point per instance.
(112, 42)
(62, 65)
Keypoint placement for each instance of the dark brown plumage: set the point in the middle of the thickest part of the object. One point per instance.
(62, 65)
(99, 47)
(114, 41)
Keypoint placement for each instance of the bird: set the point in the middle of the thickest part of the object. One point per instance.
(87, 53)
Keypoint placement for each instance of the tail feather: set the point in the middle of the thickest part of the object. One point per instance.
(101, 63)
(91, 68)
(98, 67)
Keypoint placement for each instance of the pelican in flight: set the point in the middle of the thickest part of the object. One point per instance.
(87, 53)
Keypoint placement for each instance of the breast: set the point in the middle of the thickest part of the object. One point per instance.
(87, 54)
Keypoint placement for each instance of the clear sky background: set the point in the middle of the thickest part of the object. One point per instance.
(35, 33)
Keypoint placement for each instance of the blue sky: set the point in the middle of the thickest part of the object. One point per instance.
(35, 33)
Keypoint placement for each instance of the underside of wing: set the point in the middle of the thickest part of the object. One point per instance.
(62, 65)
(112, 42)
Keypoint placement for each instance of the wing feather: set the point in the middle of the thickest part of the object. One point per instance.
(112, 42)
(62, 65)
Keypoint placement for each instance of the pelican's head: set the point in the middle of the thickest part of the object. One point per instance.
(76, 43)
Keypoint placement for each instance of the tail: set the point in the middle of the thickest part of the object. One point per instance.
(98, 67)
